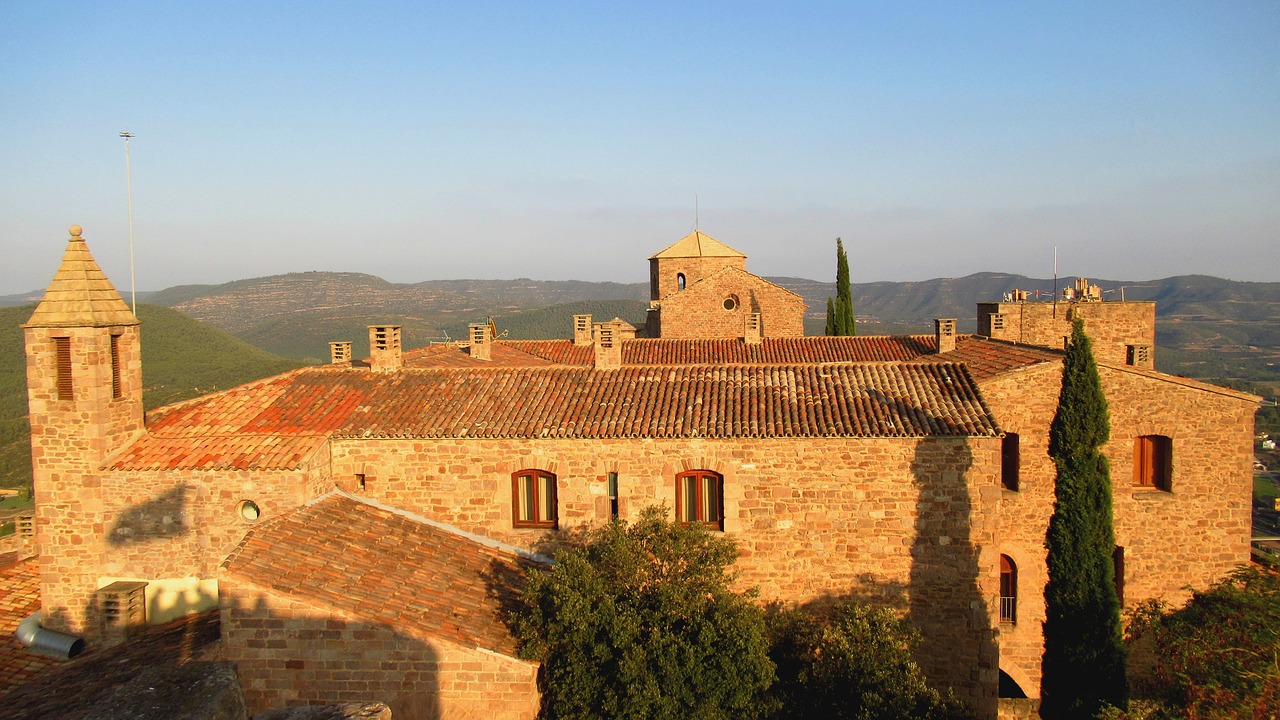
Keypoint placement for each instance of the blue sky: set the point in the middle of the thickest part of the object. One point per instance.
(421, 141)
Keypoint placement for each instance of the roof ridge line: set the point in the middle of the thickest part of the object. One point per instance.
(473, 537)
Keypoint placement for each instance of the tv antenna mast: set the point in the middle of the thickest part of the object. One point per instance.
(128, 183)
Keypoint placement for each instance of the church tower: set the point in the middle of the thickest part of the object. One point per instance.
(84, 394)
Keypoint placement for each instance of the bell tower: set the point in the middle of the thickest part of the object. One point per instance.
(84, 395)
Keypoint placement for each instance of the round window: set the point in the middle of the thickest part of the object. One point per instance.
(731, 303)
(249, 511)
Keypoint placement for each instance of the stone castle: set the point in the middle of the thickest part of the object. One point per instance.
(360, 526)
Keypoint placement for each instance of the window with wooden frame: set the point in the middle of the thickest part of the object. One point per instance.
(533, 499)
(1153, 462)
(116, 389)
(1008, 590)
(612, 480)
(1010, 460)
(62, 353)
(700, 498)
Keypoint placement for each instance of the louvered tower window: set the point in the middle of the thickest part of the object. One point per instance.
(62, 348)
(116, 391)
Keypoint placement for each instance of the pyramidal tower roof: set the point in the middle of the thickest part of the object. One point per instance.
(697, 244)
(80, 294)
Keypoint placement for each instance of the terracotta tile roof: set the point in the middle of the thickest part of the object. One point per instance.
(502, 354)
(80, 295)
(275, 424)
(385, 566)
(988, 358)
(675, 351)
(19, 597)
(870, 348)
(69, 690)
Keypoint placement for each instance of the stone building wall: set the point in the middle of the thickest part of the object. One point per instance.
(289, 652)
(1112, 326)
(904, 522)
(1187, 537)
(664, 272)
(173, 528)
(700, 312)
(70, 438)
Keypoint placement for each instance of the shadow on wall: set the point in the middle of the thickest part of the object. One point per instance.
(290, 654)
(159, 518)
(947, 602)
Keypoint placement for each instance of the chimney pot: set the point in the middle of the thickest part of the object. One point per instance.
(481, 341)
(945, 333)
(339, 353)
(384, 348)
(581, 330)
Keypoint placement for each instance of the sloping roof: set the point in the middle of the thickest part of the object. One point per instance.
(80, 295)
(684, 351)
(696, 244)
(277, 423)
(385, 566)
(989, 358)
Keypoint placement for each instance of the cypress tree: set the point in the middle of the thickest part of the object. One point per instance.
(1083, 665)
(840, 318)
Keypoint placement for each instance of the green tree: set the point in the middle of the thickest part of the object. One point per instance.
(1216, 654)
(854, 663)
(840, 318)
(639, 622)
(1084, 657)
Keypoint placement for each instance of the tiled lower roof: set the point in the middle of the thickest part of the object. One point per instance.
(675, 351)
(73, 689)
(988, 358)
(384, 566)
(275, 423)
(19, 597)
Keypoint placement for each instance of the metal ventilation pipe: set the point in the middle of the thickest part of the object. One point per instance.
(47, 642)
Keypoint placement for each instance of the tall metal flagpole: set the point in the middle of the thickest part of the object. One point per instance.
(128, 182)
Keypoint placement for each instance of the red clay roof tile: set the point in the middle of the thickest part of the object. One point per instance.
(386, 567)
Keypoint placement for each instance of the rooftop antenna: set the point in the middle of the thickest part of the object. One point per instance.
(128, 183)
(695, 212)
(1055, 282)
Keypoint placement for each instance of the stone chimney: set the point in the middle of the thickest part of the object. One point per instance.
(581, 330)
(608, 346)
(384, 348)
(481, 341)
(340, 353)
(944, 330)
(753, 333)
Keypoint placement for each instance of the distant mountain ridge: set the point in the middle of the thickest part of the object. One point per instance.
(1208, 326)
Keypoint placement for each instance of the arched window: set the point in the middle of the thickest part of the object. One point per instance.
(1008, 590)
(1153, 462)
(533, 499)
(700, 498)
(679, 281)
(1010, 461)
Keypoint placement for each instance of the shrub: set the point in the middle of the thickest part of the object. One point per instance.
(852, 662)
(639, 622)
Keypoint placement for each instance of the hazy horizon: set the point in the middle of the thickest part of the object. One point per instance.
(568, 141)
